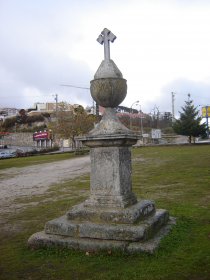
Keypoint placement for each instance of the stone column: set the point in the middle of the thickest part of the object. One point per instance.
(110, 179)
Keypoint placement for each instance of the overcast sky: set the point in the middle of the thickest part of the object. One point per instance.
(161, 47)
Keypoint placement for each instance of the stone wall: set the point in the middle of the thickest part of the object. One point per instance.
(18, 139)
(174, 139)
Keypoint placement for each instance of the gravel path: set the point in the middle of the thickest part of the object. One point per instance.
(36, 179)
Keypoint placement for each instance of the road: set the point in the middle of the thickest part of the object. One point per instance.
(35, 180)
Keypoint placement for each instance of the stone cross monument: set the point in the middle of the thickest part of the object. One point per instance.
(111, 217)
(104, 38)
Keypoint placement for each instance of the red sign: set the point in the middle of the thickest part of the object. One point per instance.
(4, 133)
(40, 135)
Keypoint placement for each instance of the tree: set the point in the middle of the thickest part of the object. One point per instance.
(189, 123)
(72, 123)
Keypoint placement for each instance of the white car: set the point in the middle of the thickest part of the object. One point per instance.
(6, 155)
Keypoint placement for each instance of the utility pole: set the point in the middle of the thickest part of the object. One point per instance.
(157, 115)
(173, 99)
(142, 131)
(56, 103)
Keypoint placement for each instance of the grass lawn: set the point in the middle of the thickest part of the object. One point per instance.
(32, 160)
(177, 178)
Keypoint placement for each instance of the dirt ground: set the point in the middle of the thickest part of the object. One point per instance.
(35, 180)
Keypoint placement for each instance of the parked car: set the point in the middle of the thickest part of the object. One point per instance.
(7, 154)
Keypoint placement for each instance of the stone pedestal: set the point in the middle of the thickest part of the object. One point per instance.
(111, 218)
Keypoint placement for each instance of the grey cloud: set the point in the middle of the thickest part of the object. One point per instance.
(28, 34)
(37, 68)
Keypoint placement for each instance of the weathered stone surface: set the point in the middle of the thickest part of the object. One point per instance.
(124, 232)
(61, 226)
(110, 179)
(129, 215)
(141, 231)
(110, 126)
(151, 244)
(158, 220)
(41, 239)
(105, 38)
(108, 140)
(108, 69)
(112, 232)
(108, 92)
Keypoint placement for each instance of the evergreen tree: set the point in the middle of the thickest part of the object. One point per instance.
(189, 123)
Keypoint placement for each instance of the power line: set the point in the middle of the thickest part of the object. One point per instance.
(74, 86)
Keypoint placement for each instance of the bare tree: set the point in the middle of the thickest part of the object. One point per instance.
(72, 123)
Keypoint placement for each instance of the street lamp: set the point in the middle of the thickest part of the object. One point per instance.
(140, 114)
(141, 121)
(136, 102)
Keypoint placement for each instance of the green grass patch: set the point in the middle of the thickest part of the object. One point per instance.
(33, 160)
(176, 178)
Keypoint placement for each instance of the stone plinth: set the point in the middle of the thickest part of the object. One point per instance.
(111, 177)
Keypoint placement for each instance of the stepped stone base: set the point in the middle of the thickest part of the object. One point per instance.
(44, 240)
(141, 231)
(138, 228)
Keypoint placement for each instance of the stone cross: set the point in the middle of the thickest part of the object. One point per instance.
(104, 38)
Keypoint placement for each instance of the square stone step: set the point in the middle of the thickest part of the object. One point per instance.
(121, 232)
(130, 215)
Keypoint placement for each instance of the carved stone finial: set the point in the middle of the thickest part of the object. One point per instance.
(108, 88)
(104, 38)
(107, 69)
